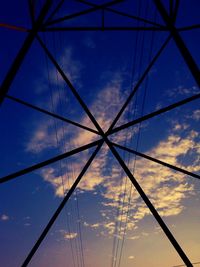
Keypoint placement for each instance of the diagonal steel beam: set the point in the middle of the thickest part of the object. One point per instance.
(171, 7)
(183, 265)
(60, 208)
(13, 27)
(17, 100)
(175, 11)
(87, 11)
(155, 113)
(73, 90)
(179, 42)
(22, 52)
(157, 161)
(105, 28)
(150, 206)
(124, 14)
(191, 27)
(59, 5)
(31, 5)
(136, 87)
(115, 153)
(47, 162)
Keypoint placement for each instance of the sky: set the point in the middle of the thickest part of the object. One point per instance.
(105, 222)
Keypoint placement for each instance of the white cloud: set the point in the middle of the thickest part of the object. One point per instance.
(166, 188)
(196, 115)
(180, 90)
(42, 138)
(134, 237)
(70, 235)
(71, 67)
(27, 224)
(4, 217)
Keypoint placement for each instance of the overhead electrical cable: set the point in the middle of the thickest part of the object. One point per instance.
(57, 142)
(132, 108)
(141, 55)
(73, 212)
(77, 240)
(137, 144)
(119, 224)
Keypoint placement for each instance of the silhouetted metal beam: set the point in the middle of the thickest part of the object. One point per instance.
(179, 42)
(175, 11)
(136, 87)
(13, 27)
(31, 5)
(50, 113)
(150, 206)
(157, 161)
(100, 28)
(191, 27)
(59, 5)
(71, 87)
(182, 265)
(22, 52)
(171, 7)
(78, 14)
(124, 14)
(156, 113)
(60, 208)
(47, 162)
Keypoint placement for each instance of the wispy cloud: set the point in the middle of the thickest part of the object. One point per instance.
(70, 235)
(196, 115)
(166, 188)
(96, 175)
(4, 217)
(44, 136)
(71, 67)
(184, 91)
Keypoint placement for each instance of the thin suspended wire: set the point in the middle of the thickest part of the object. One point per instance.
(126, 179)
(138, 138)
(52, 108)
(118, 225)
(79, 227)
(64, 145)
(74, 218)
(118, 214)
(118, 222)
(125, 225)
(113, 259)
(60, 164)
(79, 238)
(78, 246)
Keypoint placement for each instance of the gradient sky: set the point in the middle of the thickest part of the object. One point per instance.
(105, 222)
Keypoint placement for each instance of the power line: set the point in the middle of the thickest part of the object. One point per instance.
(13, 71)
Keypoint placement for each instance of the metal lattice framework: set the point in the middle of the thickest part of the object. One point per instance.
(44, 23)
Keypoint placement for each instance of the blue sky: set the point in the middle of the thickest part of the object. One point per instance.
(105, 217)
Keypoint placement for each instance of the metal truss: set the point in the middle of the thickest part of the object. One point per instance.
(44, 23)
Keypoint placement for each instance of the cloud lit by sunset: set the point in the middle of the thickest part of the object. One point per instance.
(93, 87)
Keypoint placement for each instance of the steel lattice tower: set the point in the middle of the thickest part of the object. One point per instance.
(45, 22)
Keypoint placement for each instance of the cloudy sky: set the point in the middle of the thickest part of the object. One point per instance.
(105, 222)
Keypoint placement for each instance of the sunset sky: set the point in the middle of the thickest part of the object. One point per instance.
(105, 222)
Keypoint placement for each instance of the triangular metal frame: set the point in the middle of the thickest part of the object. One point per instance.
(42, 24)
